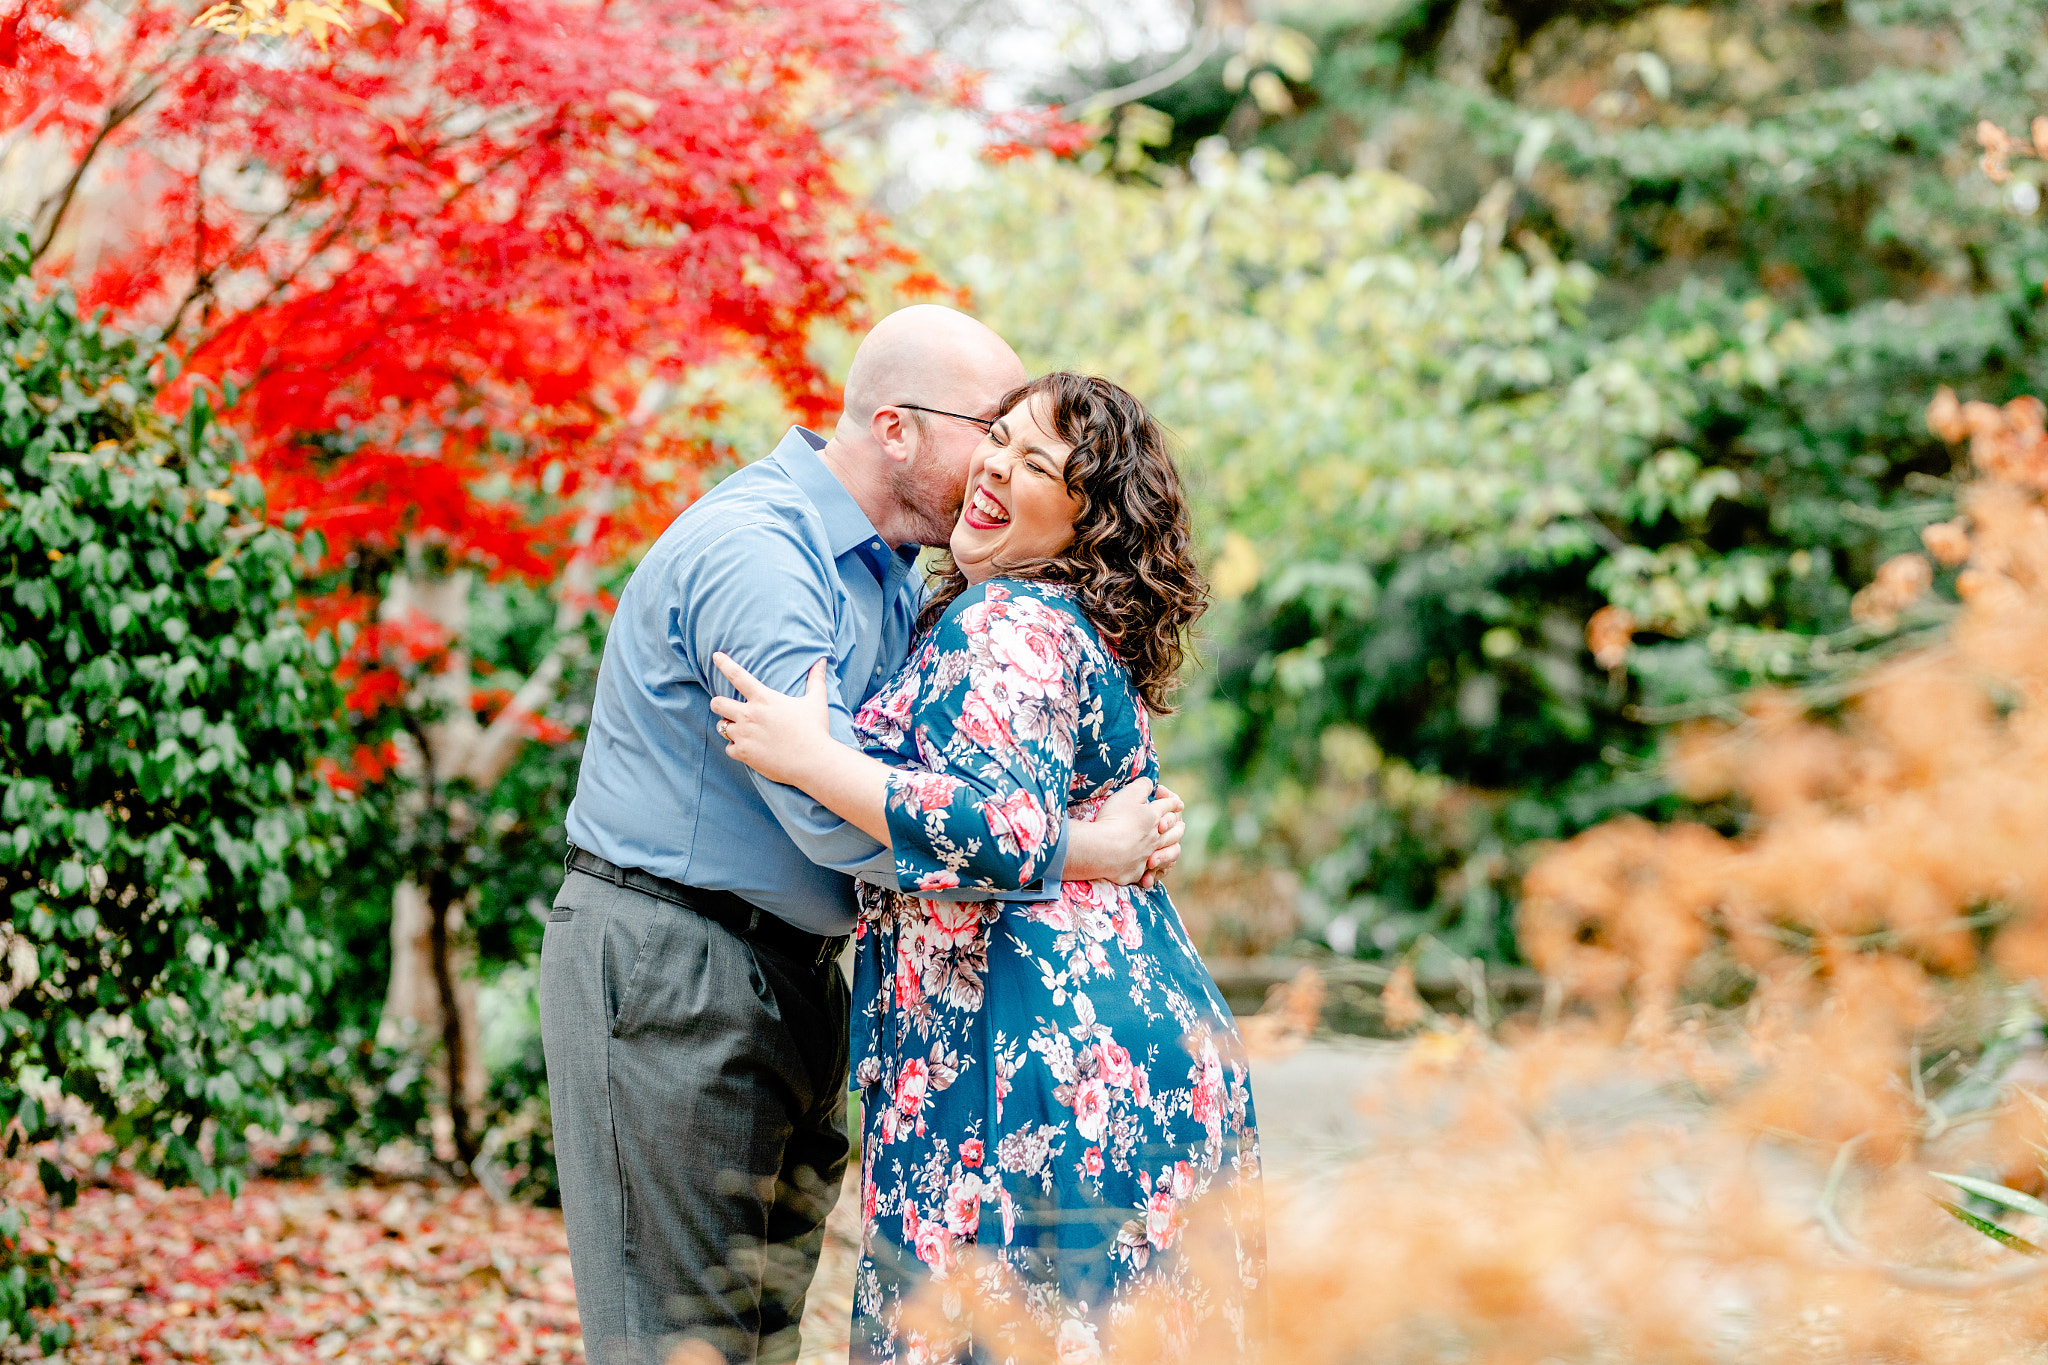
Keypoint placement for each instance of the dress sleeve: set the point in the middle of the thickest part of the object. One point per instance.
(999, 703)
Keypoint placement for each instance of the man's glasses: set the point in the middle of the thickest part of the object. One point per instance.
(985, 423)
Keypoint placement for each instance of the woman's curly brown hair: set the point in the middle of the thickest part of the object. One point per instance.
(1131, 560)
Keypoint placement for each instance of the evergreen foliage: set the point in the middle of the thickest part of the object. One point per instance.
(165, 706)
(1672, 289)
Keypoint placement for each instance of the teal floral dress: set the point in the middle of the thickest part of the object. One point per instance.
(1058, 1139)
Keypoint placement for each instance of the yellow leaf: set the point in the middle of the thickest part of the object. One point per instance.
(219, 495)
(1270, 93)
(1237, 568)
(1439, 1051)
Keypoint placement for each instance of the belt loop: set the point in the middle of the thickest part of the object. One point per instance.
(618, 876)
(753, 921)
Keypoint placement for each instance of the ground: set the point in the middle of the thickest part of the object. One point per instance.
(299, 1271)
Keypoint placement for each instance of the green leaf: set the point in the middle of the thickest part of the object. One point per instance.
(1991, 1229)
(1996, 1194)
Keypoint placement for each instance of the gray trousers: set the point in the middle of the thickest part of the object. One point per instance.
(698, 1088)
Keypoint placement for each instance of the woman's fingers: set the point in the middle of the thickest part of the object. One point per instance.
(745, 683)
(814, 681)
(728, 707)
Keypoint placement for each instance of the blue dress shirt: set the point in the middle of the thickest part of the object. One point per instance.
(776, 566)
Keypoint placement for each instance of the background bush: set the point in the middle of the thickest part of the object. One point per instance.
(159, 797)
(1499, 315)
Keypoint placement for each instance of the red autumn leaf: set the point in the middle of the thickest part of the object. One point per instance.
(446, 263)
(10, 35)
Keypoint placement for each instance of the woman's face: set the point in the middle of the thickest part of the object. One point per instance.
(1017, 506)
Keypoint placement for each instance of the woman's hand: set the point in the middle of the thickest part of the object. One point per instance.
(776, 735)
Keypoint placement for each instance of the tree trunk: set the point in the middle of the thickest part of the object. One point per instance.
(431, 963)
(431, 999)
(1476, 46)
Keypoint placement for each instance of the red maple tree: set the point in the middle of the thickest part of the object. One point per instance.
(448, 274)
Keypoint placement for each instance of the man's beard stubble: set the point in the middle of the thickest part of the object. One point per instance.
(930, 498)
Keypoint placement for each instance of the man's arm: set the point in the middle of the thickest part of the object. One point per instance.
(763, 596)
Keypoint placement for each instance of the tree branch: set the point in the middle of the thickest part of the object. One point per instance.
(117, 114)
(1189, 62)
(202, 279)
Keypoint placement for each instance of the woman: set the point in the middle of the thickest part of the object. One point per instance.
(1058, 1139)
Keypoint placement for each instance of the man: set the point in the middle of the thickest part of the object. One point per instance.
(694, 1019)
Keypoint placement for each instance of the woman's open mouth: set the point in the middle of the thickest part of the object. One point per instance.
(983, 512)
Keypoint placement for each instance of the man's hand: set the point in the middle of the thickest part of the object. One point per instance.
(1133, 839)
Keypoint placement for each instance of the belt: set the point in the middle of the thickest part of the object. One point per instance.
(723, 908)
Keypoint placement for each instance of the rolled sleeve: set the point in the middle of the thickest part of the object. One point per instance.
(765, 598)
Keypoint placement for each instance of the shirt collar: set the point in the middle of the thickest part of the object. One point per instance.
(847, 528)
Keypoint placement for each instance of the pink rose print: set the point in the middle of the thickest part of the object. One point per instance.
(1115, 1063)
(1092, 903)
(893, 706)
(963, 1207)
(1205, 1106)
(931, 791)
(934, 1246)
(1076, 1344)
(908, 976)
(1019, 818)
(1054, 913)
(971, 1018)
(981, 720)
(951, 924)
(975, 619)
(1091, 1109)
(1124, 917)
(1030, 658)
(1162, 1220)
(911, 1085)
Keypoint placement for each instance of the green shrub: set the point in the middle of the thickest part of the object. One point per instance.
(164, 706)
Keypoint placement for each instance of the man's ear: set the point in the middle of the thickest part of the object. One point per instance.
(893, 432)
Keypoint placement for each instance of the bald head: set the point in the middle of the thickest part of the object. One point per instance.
(906, 468)
(933, 356)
